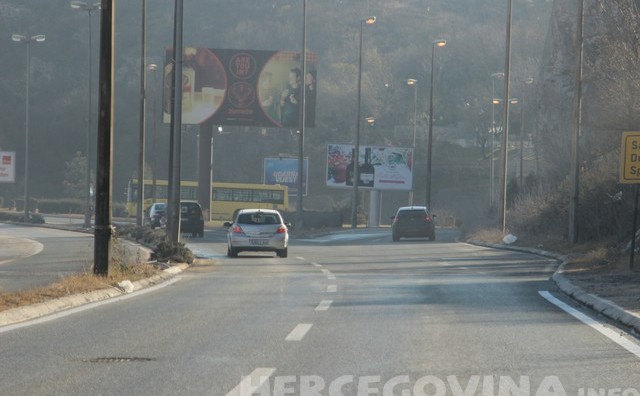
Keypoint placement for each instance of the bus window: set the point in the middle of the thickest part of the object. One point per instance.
(261, 196)
(222, 194)
(242, 195)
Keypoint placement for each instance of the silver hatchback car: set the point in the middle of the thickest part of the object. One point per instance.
(257, 230)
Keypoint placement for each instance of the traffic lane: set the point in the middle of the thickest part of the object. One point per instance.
(192, 337)
(63, 253)
(430, 318)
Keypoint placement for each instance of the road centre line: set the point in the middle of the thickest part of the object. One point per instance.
(298, 333)
(251, 383)
(614, 335)
(324, 305)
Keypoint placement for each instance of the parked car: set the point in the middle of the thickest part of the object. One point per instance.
(413, 221)
(257, 230)
(157, 215)
(191, 219)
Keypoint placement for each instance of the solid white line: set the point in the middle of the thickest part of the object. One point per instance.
(332, 288)
(299, 332)
(324, 305)
(251, 383)
(596, 325)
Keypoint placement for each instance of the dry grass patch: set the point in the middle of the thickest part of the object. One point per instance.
(487, 235)
(76, 284)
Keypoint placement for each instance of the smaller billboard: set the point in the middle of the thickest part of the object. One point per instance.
(380, 168)
(284, 171)
(7, 166)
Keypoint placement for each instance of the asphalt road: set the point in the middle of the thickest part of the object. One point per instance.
(34, 256)
(351, 314)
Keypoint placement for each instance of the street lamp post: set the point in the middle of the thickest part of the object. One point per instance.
(142, 98)
(152, 67)
(356, 174)
(527, 82)
(505, 123)
(413, 83)
(82, 6)
(437, 43)
(494, 102)
(27, 40)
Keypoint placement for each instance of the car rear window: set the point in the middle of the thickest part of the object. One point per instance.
(411, 214)
(190, 209)
(258, 218)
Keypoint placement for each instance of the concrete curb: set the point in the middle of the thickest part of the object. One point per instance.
(604, 307)
(22, 314)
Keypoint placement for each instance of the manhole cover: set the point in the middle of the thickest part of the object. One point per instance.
(118, 359)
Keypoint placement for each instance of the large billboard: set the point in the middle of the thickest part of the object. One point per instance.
(242, 87)
(283, 170)
(381, 168)
(7, 166)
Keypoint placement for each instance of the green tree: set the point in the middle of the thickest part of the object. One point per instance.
(74, 182)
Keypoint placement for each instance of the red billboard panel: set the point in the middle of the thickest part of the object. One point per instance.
(243, 87)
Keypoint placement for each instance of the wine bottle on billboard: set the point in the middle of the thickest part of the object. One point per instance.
(367, 171)
(349, 180)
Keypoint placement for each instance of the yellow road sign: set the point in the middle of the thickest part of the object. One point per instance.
(630, 158)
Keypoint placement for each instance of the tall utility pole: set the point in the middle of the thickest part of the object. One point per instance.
(494, 102)
(143, 108)
(575, 137)
(356, 172)
(103, 228)
(413, 83)
(27, 40)
(152, 67)
(437, 43)
(81, 5)
(505, 124)
(526, 83)
(303, 104)
(175, 145)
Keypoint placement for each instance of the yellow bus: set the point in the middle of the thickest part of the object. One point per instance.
(226, 198)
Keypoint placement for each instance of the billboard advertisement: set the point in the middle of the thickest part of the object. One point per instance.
(282, 170)
(380, 168)
(242, 87)
(7, 166)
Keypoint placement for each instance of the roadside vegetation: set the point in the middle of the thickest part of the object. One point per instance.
(539, 216)
(120, 268)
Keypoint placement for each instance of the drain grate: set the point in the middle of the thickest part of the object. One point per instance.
(118, 359)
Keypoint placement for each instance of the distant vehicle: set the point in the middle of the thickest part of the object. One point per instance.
(257, 230)
(225, 197)
(191, 219)
(413, 221)
(157, 215)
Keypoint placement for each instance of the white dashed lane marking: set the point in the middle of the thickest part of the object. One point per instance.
(299, 332)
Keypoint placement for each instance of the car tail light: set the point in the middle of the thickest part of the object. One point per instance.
(428, 218)
(237, 230)
(281, 230)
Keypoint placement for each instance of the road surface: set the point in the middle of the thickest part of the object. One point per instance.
(351, 314)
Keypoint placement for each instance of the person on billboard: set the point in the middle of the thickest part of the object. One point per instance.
(310, 98)
(290, 99)
(269, 98)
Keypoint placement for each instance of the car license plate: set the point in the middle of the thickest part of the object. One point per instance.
(258, 241)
